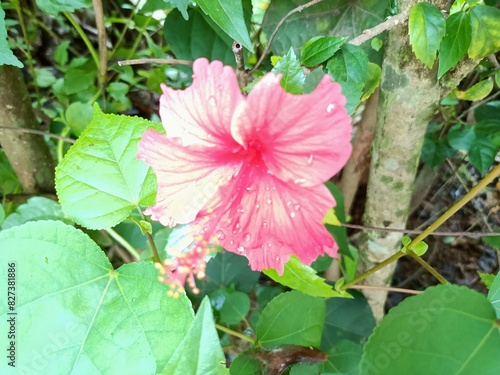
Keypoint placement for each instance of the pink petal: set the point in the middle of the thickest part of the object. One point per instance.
(269, 220)
(304, 138)
(201, 114)
(188, 176)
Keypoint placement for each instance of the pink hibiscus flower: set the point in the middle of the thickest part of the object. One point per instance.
(247, 172)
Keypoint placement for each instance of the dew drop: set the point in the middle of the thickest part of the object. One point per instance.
(248, 237)
(330, 107)
(231, 242)
(250, 188)
(310, 159)
(289, 203)
(212, 102)
(292, 214)
(205, 229)
(257, 206)
(240, 211)
(296, 207)
(241, 249)
(300, 181)
(277, 259)
(269, 244)
(220, 235)
(269, 201)
(237, 226)
(264, 224)
(229, 221)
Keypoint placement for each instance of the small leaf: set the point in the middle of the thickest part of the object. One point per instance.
(61, 53)
(7, 57)
(420, 248)
(330, 218)
(319, 49)
(455, 43)
(203, 345)
(100, 180)
(349, 64)
(434, 325)
(293, 75)
(343, 358)
(236, 307)
(477, 92)
(487, 279)
(493, 241)
(374, 75)
(427, 26)
(302, 278)
(485, 23)
(78, 116)
(291, 318)
(482, 154)
(461, 137)
(494, 295)
(53, 7)
(228, 15)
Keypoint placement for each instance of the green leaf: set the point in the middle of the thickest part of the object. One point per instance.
(485, 23)
(461, 137)
(494, 295)
(2, 215)
(487, 279)
(291, 318)
(347, 319)
(78, 116)
(312, 80)
(36, 208)
(435, 150)
(427, 27)
(61, 53)
(235, 308)
(227, 269)
(181, 5)
(463, 5)
(53, 7)
(488, 111)
(343, 358)
(77, 80)
(374, 75)
(6, 55)
(477, 92)
(493, 241)
(293, 75)
(195, 38)
(203, 345)
(73, 304)
(482, 154)
(100, 180)
(319, 49)
(452, 329)
(328, 18)
(455, 43)
(246, 364)
(302, 278)
(228, 15)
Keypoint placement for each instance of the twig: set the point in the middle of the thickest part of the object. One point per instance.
(103, 49)
(278, 26)
(478, 104)
(416, 231)
(388, 288)
(240, 64)
(388, 24)
(39, 132)
(154, 61)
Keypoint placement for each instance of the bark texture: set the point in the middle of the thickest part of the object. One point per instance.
(28, 154)
(408, 98)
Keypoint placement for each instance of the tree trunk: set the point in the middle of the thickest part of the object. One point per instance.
(28, 154)
(408, 98)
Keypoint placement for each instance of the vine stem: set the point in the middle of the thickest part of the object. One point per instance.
(234, 333)
(495, 172)
(122, 241)
(153, 247)
(84, 37)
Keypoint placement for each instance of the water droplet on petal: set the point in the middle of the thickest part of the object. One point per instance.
(310, 159)
(289, 203)
(296, 207)
(250, 188)
(292, 214)
(238, 226)
(241, 249)
(330, 107)
(220, 235)
(300, 181)
(212, 102)
(277, 259)
(264, 224)
(231, 242)
(240, 211)
(205, 229)
(269, 201)
(257, 206)
(248, 237)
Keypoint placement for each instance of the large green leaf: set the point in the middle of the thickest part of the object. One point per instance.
(236, 307)
(485, 22)
(6, 55)
(427, 27)
(228, 15)
(343, 358)
(494, 295)
(291, 318)
(54, 6)
(36, 208)
(293, 75)
(100, 180)
(304, 279)
(447, 329)
(77, 315)
(200, 352)
(455, 43)
(328, 18)
(319, 49)
(195, 38)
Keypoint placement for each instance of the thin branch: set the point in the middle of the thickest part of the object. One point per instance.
(416, 231)
(154, 61)
(387, 288)
(240, 63)
(388, 24)
(478, 104)
(38, 132)
(103, 49)
(278, 26)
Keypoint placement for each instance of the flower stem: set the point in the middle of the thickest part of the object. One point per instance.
(429, 268)
(84, 37)
(123, 242)
(234, 333)
(153, 247)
